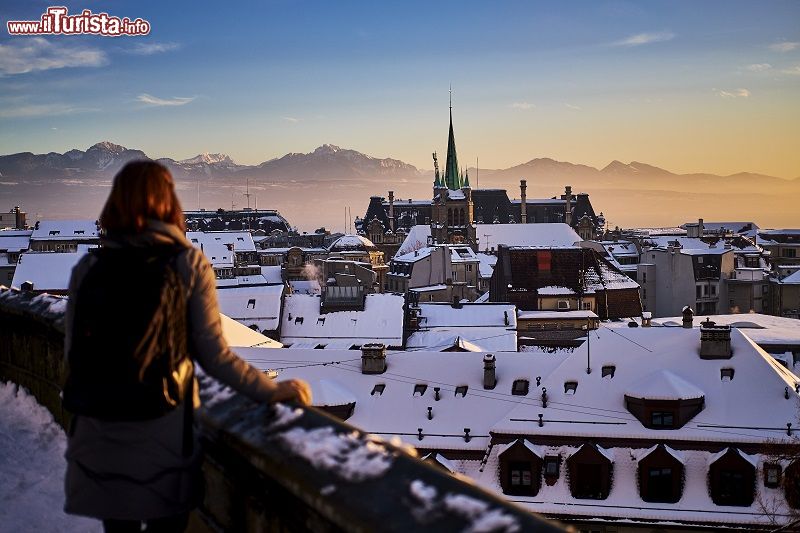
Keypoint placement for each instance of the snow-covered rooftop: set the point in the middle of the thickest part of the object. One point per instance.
(491, 235)
(49, 271)
(380, 321)
(241, 241)
(347, 243)
(763, 329)
(258, 306)
(63, 230)
(14, 240)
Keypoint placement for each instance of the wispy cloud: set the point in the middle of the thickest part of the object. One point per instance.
(784, 46)
(645, 38)
(42, 110)
(735, 93)
(758, 67)
(148, 49)
(155, 101)
(291, 119)
(32, 54)
(522, 106)
(573, 106)
(792, 71)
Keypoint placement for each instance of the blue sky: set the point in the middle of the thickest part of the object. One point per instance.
(690, 86)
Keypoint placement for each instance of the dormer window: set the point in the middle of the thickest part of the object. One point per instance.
(551, 468)
(662, 419)
(378, 389)
(570, 387)
(520, 387)
(726, 374)
(520, 468)
(419, 389)
(608, 371)
(664, 401)
(461, 390)
(661, 475)
(590, 473)
(732, 478)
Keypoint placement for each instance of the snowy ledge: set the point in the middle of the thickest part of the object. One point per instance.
(301, 469)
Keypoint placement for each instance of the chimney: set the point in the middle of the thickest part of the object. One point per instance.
(26, 286)
(700, 227)
(523, 187)
(715, 341)
(391, 211)
(688, 316)
(489, 374)
(568, 205)
(646, 316)
(373, 358)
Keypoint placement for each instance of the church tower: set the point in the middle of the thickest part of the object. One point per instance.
(452, 220)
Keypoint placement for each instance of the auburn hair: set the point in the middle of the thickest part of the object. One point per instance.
(142, 190)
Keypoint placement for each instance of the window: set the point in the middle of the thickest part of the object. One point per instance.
(659, 485)
(419, 389)
(520, 477)
(461, 390)
(698, 290)
(251, 303)
(713, 290)
(520, 387)
(662, 419)
(378, 389)
(551, 466)
(644, 277)
(700, 260)
(587, 306)
(772, 475)
(726, 374)
(788, 252)
(563, 304)
(570, 387)
(608, 371)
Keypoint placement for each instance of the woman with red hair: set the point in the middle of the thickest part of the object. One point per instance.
(124, 466)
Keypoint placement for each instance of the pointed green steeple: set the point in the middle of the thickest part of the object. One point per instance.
(452, 178)
(466, 180)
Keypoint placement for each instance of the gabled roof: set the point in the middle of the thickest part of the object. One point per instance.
(49, 271)
(65, 230)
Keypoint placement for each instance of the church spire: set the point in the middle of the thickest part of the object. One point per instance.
(452, 178)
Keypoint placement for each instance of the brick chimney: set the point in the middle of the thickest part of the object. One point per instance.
(523, 208)
(715, 341)
(688, 316)
(489, 374)
(373, 358)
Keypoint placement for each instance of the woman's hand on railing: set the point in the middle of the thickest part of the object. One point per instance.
(292, 390)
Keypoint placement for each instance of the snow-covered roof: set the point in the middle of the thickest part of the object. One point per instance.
(491, 235)
(49, 271)
(237, 334)
(14, 240)
(242, 241)
(664, 385)
(272, 274)
(557, 315)
(763, 329)
(433, 315)
(65, 230)
(470, 338)
(380, 321)
(327, 392)
(792, 279)
(487, 263)
(305, 286)
(258, 306)
(347, 243)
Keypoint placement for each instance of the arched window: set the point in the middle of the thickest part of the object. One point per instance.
(449, 217)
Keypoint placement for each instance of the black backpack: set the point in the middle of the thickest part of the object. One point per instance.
(128, 359)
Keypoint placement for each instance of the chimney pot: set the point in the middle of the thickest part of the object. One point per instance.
(688, 317)
(715, 341)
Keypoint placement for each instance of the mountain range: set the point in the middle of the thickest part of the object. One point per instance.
(311, 189)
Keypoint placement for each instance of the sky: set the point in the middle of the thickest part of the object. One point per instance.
(709, 86)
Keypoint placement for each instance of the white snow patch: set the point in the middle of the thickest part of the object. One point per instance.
(32, 462)
(482, 519)
(345, 454)
(284, 415)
